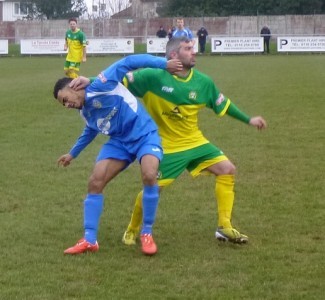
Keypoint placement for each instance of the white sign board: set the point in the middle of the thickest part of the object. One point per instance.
(236, 44)
(158, 45)
(56, 46)
(301, 44)
(104, 46)
(42, 46)
(3, 46)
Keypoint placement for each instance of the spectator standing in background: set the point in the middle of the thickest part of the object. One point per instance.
(75, 43)
(161, 33)
(181, 30)
(170, 32)
(202, 35)
(266, 34)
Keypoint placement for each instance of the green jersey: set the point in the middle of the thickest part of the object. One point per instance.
(76, 42)
(174, 104)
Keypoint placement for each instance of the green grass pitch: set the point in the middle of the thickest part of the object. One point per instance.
(279, 192)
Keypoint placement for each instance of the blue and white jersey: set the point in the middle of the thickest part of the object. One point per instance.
(185, 32)
(109, 107)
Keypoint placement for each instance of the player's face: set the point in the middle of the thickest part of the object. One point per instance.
(73, 25)
(186, 54)
(70, 98)
(180, 23)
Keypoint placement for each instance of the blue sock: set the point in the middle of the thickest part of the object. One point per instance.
(93, 207)
(149, 203)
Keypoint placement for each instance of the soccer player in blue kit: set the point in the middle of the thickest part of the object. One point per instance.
(109, 108)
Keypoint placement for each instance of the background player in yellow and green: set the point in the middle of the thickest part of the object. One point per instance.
(75, 43)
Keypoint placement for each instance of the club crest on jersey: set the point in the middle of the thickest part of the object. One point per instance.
(102, 78)
(192, 95)
(220, 99)
(97, 104)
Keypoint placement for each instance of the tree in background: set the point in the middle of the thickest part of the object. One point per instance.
(194, 8)
(55, 9)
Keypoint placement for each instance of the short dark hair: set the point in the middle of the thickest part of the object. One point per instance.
(61, 84)
(73, 19)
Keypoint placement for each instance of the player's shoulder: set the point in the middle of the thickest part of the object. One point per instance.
(201, 75)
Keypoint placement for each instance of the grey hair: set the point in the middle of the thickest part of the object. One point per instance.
(174, 43)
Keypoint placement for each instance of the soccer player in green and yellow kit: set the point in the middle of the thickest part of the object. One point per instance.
(174, 102)
(75, 43)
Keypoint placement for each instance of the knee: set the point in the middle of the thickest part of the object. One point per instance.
(149, 177)
(229, 169)
(95, 185)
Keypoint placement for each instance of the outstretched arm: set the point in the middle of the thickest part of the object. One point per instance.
(85, 138)
(236, 113)
(117, 71)
(172, 66)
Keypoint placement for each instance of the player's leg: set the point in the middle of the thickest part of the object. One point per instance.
(209, 158)
(171, 166)
(149, 171)
(74, 69)
(224, 191)
(133, 229)
(67, 68)
(149, 153)
(111, 161)
(71, 69)
(104, 171)
(150, 198)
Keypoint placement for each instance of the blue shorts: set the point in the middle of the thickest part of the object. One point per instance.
(148, 144)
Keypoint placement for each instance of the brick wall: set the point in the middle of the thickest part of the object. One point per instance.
(140, 29)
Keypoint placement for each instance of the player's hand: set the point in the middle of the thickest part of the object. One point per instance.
(65, 160)
(79, 83)
(174, 65)
(84, 59)
(258, 122)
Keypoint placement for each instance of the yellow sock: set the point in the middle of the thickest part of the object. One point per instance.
(136, 218)
(225, 199)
